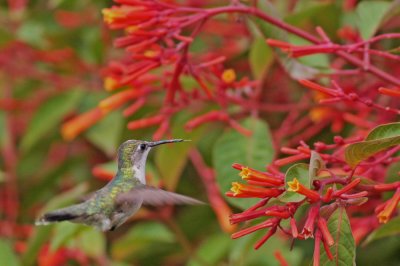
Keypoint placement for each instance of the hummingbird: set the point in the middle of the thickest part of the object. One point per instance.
(110, 206)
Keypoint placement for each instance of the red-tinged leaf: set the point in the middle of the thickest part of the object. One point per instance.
(344, 248)
(379, 139)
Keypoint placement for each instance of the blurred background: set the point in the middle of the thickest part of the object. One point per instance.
(52, 59)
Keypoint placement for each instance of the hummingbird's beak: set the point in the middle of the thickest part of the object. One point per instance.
(155, 143)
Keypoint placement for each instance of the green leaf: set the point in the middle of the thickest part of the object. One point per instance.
(299, 171)
(2, 176)
(68, 197)
(260, 57)
(243, 253)
(255, 151)
(92, 242)
(391, 228)
(62, 233)
(379, 139)
(370, 15)
(384, 131)
(106, 133)
(211, 251)
(170, 160)
(142, 237)
(48, 116)
(32, 32)
(35, 242)
(7, 254)
(344, 249)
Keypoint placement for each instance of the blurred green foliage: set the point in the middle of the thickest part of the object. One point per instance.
(50, 173)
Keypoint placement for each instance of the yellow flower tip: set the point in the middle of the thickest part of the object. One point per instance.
(68, 133)
(293, 185)
(150, 53)
(109, 15)
(110, 83)
(317, 114)
(236, 188)
(228, 76)
(383, 218)
(131, 29)
(244, 173)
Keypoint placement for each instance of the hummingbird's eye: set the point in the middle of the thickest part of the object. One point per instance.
(142, 147)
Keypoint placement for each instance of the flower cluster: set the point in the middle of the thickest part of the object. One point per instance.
(154, 42)
(331, 188)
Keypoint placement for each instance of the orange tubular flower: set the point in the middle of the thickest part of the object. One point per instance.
(248, 191)
(118, 99)
(390, 206)
(254, 175)
(296, 186)
(394, 93)
(74, 127)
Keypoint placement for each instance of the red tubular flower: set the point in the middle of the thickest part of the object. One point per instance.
(252, 191)
(308, 229)
(297, 187)
(250, 174)
(146, 122)
(293, 227)
(130, 110)
(207, 117)
(325, 232)
(279, 257)
(102, 174)
(279, 214)
(347, 188)
(387, 187)
(279, 44)
(317, 87)
(254, 228)
(291, 159)
(327, 250)
(328, 196)
(248, 215)
(265, 238)
(355, 195)
(390, 206)
(317, 251)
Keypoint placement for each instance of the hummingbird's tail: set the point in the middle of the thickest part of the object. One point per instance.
(70, 213)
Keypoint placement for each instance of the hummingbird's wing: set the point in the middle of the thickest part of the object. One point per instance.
(155, 197)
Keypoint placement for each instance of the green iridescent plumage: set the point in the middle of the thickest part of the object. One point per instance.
(112, 205)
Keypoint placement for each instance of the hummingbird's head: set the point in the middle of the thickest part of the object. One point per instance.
(134, 152)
